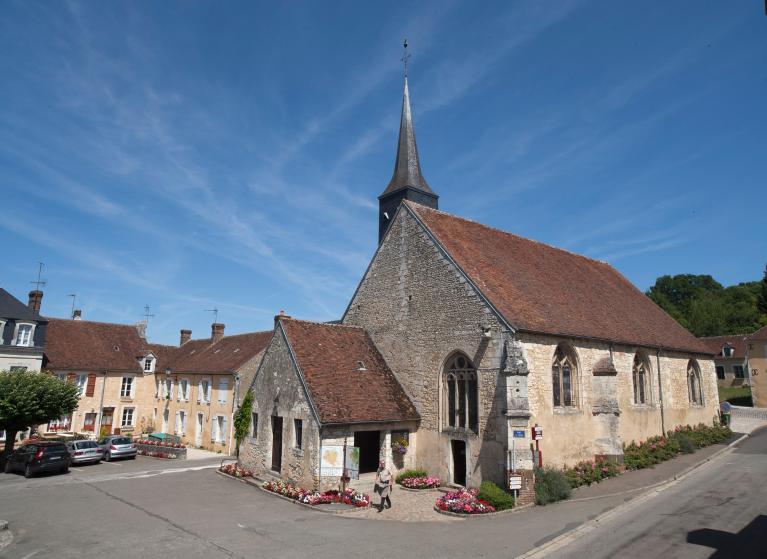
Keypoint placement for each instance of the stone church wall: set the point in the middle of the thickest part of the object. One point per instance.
(419, 311)
(574, 434)
(278, 391)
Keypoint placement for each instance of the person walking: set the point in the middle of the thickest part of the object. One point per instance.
(383, 485)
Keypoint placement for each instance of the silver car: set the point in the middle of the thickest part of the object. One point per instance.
(117, 446)
(84, 452)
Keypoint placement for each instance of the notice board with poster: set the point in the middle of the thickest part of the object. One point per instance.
(332, 461)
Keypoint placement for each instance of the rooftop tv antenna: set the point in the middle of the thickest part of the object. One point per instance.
(214, 310)
(147, 314)
(74, 296)
(40, 281)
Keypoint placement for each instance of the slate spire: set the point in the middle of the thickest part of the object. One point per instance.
(407, 182)
(407, 167)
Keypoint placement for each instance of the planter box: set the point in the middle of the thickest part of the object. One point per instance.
(177, 453)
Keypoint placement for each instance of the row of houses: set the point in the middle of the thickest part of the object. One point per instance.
(128, 385)
(741, 360)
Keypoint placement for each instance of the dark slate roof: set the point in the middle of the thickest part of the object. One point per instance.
(86, 345)
(540, 288)
(407, 167)
(226, 355)
(716, 344)
(11, 307)
(328, 356)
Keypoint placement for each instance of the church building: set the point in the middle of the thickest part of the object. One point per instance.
(460, 339)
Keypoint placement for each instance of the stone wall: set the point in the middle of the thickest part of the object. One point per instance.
(278, 392)
(573, 434)
(419, 310)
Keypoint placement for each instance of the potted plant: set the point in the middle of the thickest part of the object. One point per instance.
(399, 445)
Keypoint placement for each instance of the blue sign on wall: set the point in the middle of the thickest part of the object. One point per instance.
(519, 434)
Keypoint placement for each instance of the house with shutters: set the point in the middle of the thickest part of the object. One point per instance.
(729, 359)
(130, 386)
(22, 332)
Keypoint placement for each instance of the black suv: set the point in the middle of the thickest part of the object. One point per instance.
(38, 457)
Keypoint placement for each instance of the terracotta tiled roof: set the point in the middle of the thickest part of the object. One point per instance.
(760, 334)
(226, 355)
(540, 288)
(716, 343)
(86, 345)
(329, 357)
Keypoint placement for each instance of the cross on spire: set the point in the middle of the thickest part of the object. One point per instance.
(405, 56)
(40, 282)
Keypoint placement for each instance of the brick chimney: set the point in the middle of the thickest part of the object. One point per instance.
(77, 314)
(35, 299)
(216, 332)
(186, 335)
(281, 316)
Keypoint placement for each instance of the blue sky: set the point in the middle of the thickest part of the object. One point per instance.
(195, 155)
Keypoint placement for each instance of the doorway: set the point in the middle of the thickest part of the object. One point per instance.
(165, 418)
(459, 462)
(106, 421)
(369, 443)
(198, 432)
(276, 443)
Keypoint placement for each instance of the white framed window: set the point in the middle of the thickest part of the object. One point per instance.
(63, 423)
(2, 341)
(127, 388)
(127, 417)
(17, 369)
(183, 390)
(61, 376)
(180, 422)
(81, 380)
(148, 364)
(203, 391)
(218, 429)
(168, 391)
(158, 382)
(24, 334)
(223, 387)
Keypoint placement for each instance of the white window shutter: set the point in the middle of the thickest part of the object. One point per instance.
(133, 387)
(224, 432)
(213, 428)
(199, 391)
(178, 423)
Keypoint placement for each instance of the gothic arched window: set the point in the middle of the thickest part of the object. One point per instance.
(693, 383)
(461, 394)
(564, 377)
(640, 373)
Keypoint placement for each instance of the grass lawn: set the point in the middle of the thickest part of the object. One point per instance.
(736, 395)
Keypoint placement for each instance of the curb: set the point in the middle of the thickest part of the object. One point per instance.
(425, 490)
(520, 508)
(586, 527)
(678, 475)
(255, 483)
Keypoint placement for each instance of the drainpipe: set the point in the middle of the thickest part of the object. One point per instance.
(660, 394)
(101, 409)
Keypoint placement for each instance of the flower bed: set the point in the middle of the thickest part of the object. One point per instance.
(156, 449)
(422, 482)
(149, 442)
(463, 502)
(588, 472)
(311, 497)
(235, 470)
(683, 439)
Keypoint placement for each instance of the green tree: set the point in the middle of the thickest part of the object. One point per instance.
(28, 399)
(242, 420)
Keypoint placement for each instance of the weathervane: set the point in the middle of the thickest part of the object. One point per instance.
(214, 310)
(405, 56)
(40, 282)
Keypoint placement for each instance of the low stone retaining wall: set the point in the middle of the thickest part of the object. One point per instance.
(169, 451)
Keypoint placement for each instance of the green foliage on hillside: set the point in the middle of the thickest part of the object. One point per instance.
(706, 308)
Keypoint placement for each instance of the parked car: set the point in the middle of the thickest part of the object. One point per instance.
(39, 457)
(84, 452)
(117, 446)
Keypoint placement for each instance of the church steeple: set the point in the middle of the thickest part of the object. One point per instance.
(407, 182)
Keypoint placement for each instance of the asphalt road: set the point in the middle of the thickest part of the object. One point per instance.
(148, 508)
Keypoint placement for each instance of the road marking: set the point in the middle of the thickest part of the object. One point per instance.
(111, 463)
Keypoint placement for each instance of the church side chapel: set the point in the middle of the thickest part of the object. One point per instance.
(459, 339)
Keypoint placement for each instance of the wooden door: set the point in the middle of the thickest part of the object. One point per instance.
(276, 443)
(106, 421)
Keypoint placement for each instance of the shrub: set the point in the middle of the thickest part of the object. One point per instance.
(550, 486)
(410, 473)
(588, 472)
(497, 497)
(685, 444)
